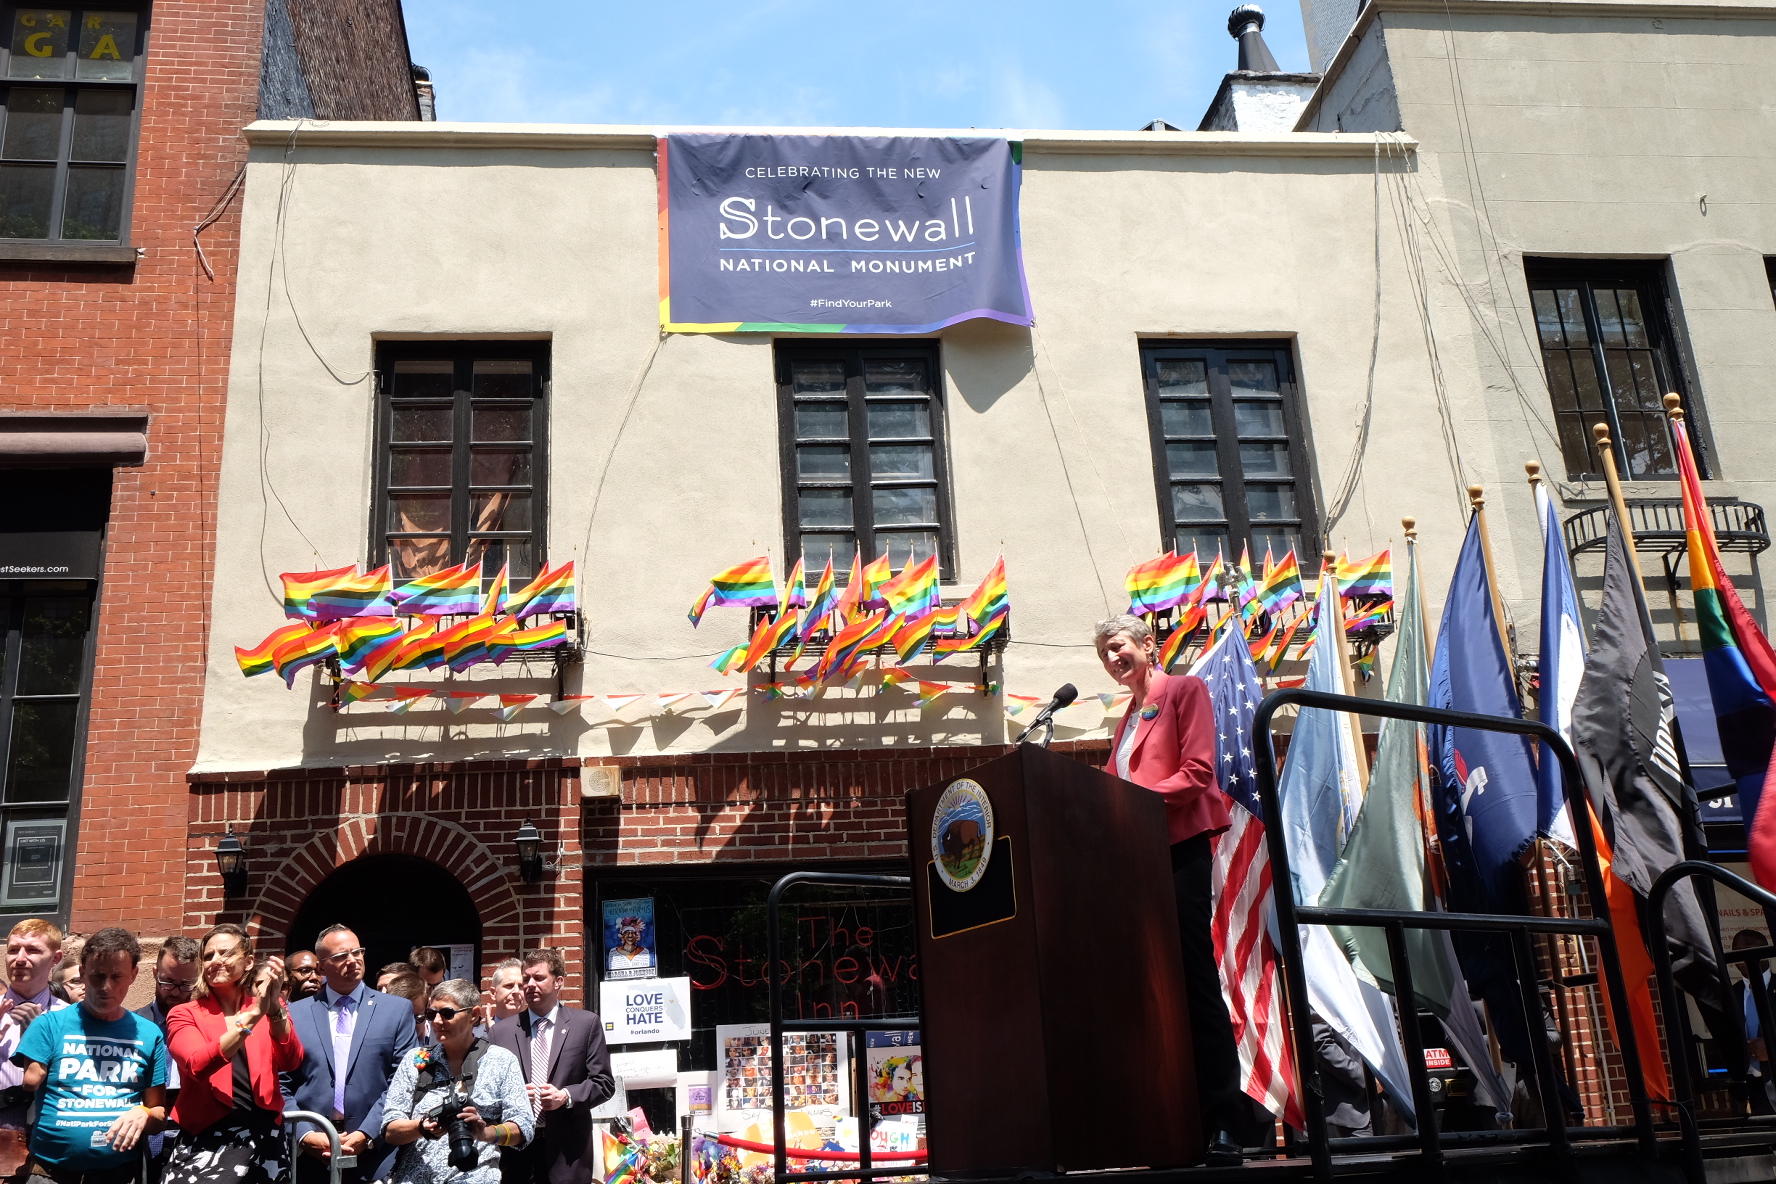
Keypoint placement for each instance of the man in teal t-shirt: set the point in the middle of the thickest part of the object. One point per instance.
(100, 1072)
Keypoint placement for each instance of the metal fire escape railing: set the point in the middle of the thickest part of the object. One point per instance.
(1291, 916)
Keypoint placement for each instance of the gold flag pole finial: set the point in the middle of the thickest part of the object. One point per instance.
(1477, 499)
(1410, 525)
(1534, 469)
(1674, 405)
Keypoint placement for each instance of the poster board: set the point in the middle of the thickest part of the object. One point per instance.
(644, 1011)
(631, 944)
(817, 1068)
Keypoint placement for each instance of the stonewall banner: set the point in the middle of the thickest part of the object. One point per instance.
(838, 234)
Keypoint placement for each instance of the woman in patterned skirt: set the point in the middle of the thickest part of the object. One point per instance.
(230, 1044)
(461, 1070)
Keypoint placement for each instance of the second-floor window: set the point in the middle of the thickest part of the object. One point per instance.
(1230, 455)
(461, 459)
(1607, 346)
(863, 454)
(70, 97)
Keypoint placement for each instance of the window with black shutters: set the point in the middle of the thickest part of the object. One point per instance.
(1607, 346)
(461, 457)
(1230, 454)
(863, 454)
(70, 103)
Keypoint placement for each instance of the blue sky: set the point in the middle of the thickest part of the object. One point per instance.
(1113, 64)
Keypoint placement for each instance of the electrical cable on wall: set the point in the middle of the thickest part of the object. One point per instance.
(1085, 440)
(1353, 470)
(1067, 473)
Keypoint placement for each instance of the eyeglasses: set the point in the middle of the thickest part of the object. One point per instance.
(344, 956)
(442, 1013)
(174, 986)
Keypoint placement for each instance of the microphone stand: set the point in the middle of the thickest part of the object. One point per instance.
(1046, 719)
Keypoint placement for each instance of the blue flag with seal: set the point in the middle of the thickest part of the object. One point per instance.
(838, 234)
(1561, 665)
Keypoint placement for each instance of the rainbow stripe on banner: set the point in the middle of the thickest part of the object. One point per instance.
(451, 592)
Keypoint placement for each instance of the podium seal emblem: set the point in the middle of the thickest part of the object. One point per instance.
(962, 834)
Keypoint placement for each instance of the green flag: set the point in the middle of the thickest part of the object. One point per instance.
(1382, 865)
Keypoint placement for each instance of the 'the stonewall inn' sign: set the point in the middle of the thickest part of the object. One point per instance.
(838, 234)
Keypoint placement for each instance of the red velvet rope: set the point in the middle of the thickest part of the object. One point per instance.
(802, 1153)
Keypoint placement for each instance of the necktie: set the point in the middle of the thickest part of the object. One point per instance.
(342, 1039)
(539, 1059)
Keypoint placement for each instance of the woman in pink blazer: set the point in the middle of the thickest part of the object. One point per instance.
(1166, 743)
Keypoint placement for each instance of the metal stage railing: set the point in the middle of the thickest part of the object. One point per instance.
(859, 1065)
(1678, 1036)
(1291, 915)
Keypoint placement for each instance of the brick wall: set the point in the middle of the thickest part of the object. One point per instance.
(154, 338)
(301, 825)
(355, 58)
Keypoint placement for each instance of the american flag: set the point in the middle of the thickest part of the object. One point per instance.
(1243, 906)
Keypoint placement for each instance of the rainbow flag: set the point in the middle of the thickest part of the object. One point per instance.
(1262, 646)
(849, 644)
(1282, 584)
(495, 600)
(259, 659)
(913, 635)
(730, 659)
(987, 598)
(357, 639)
(1365, 665)
(537, 637)
(420, 649)
(875, 574)
(1143, 580)
(299, 653)
(1183, 582)
(1369, 616)
(914, 590)
(453, 591)
(351, 692)
(406, 697)
(992, 625)
(894, 676)
(334, 595)
(768, 636)
(1740, 665)
(1211, 581)
(462, 645)
(850, 602)
(820, 606)
(744, 585)
(551, 592)
(795, 590)
(1282, 650)
(1373, 576)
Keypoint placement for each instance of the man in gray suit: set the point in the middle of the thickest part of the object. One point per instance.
(352, 1039)
(567, 1073)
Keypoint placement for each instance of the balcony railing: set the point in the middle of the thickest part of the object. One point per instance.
(1659, 529)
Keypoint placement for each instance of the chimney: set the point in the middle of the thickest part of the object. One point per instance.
(1327, 23)
(1259, 96)
(422, 90)
(1246, 25)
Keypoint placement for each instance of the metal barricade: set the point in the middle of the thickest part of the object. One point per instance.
(1677, 1019)
(779, 1025)
(1291, 916)
(336, 1162)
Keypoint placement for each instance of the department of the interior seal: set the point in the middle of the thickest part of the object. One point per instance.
(962, 834)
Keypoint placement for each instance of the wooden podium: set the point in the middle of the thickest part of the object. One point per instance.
(1056, 1035)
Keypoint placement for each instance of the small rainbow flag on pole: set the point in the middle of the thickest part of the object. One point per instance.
(914, 591)
(358, 639)
(820, 605)
(455, 590)
(729, 660)
(495, 600)
(503, 644)
(795, 589)
(333, 595)
(988, 598)
(1282, 584)
(745, 585)
(259, 659)
(1188, 623)
(851, 642)
(876, 573)
(767, 637)
(1373, 576)
(299, 653)
(551, 592)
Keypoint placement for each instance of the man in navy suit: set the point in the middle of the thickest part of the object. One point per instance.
(567, 1074)
(352, 1039)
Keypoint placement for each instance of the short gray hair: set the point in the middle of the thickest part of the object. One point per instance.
(1109, 627)
(507, 964)
(460, 991)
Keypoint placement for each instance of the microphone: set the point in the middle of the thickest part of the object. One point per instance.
(1062, 698)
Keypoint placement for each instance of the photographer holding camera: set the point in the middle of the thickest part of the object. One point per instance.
(451, 1107)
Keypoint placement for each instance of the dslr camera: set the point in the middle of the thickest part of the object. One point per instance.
(464, 1154)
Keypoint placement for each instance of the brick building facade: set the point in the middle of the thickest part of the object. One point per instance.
(114, 345)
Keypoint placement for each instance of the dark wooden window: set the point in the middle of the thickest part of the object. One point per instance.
(70, 108)
(461, 457)
(43, 689)
(1230, 453)
(863, 454)
(1607, 345)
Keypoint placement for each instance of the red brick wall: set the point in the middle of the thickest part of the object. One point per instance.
(154, 338)
(300, 825)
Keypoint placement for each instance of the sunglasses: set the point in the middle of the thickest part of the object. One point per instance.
(443, 1013)
(176, 988)
(344, 956)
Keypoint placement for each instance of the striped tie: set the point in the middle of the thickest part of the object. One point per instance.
(539, 1060)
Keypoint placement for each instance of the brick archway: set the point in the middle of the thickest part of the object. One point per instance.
(447, 844)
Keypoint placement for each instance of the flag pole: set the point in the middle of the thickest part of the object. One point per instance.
(1477, 499)
(1606, 451)
(1330, 572)
(1410, 525)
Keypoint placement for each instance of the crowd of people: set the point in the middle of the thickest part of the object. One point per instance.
(422, 1079)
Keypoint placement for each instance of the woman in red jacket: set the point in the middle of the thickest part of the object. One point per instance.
(230, 1044)
(1166, 743)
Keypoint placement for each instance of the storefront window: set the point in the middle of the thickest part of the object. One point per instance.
(849, 953)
